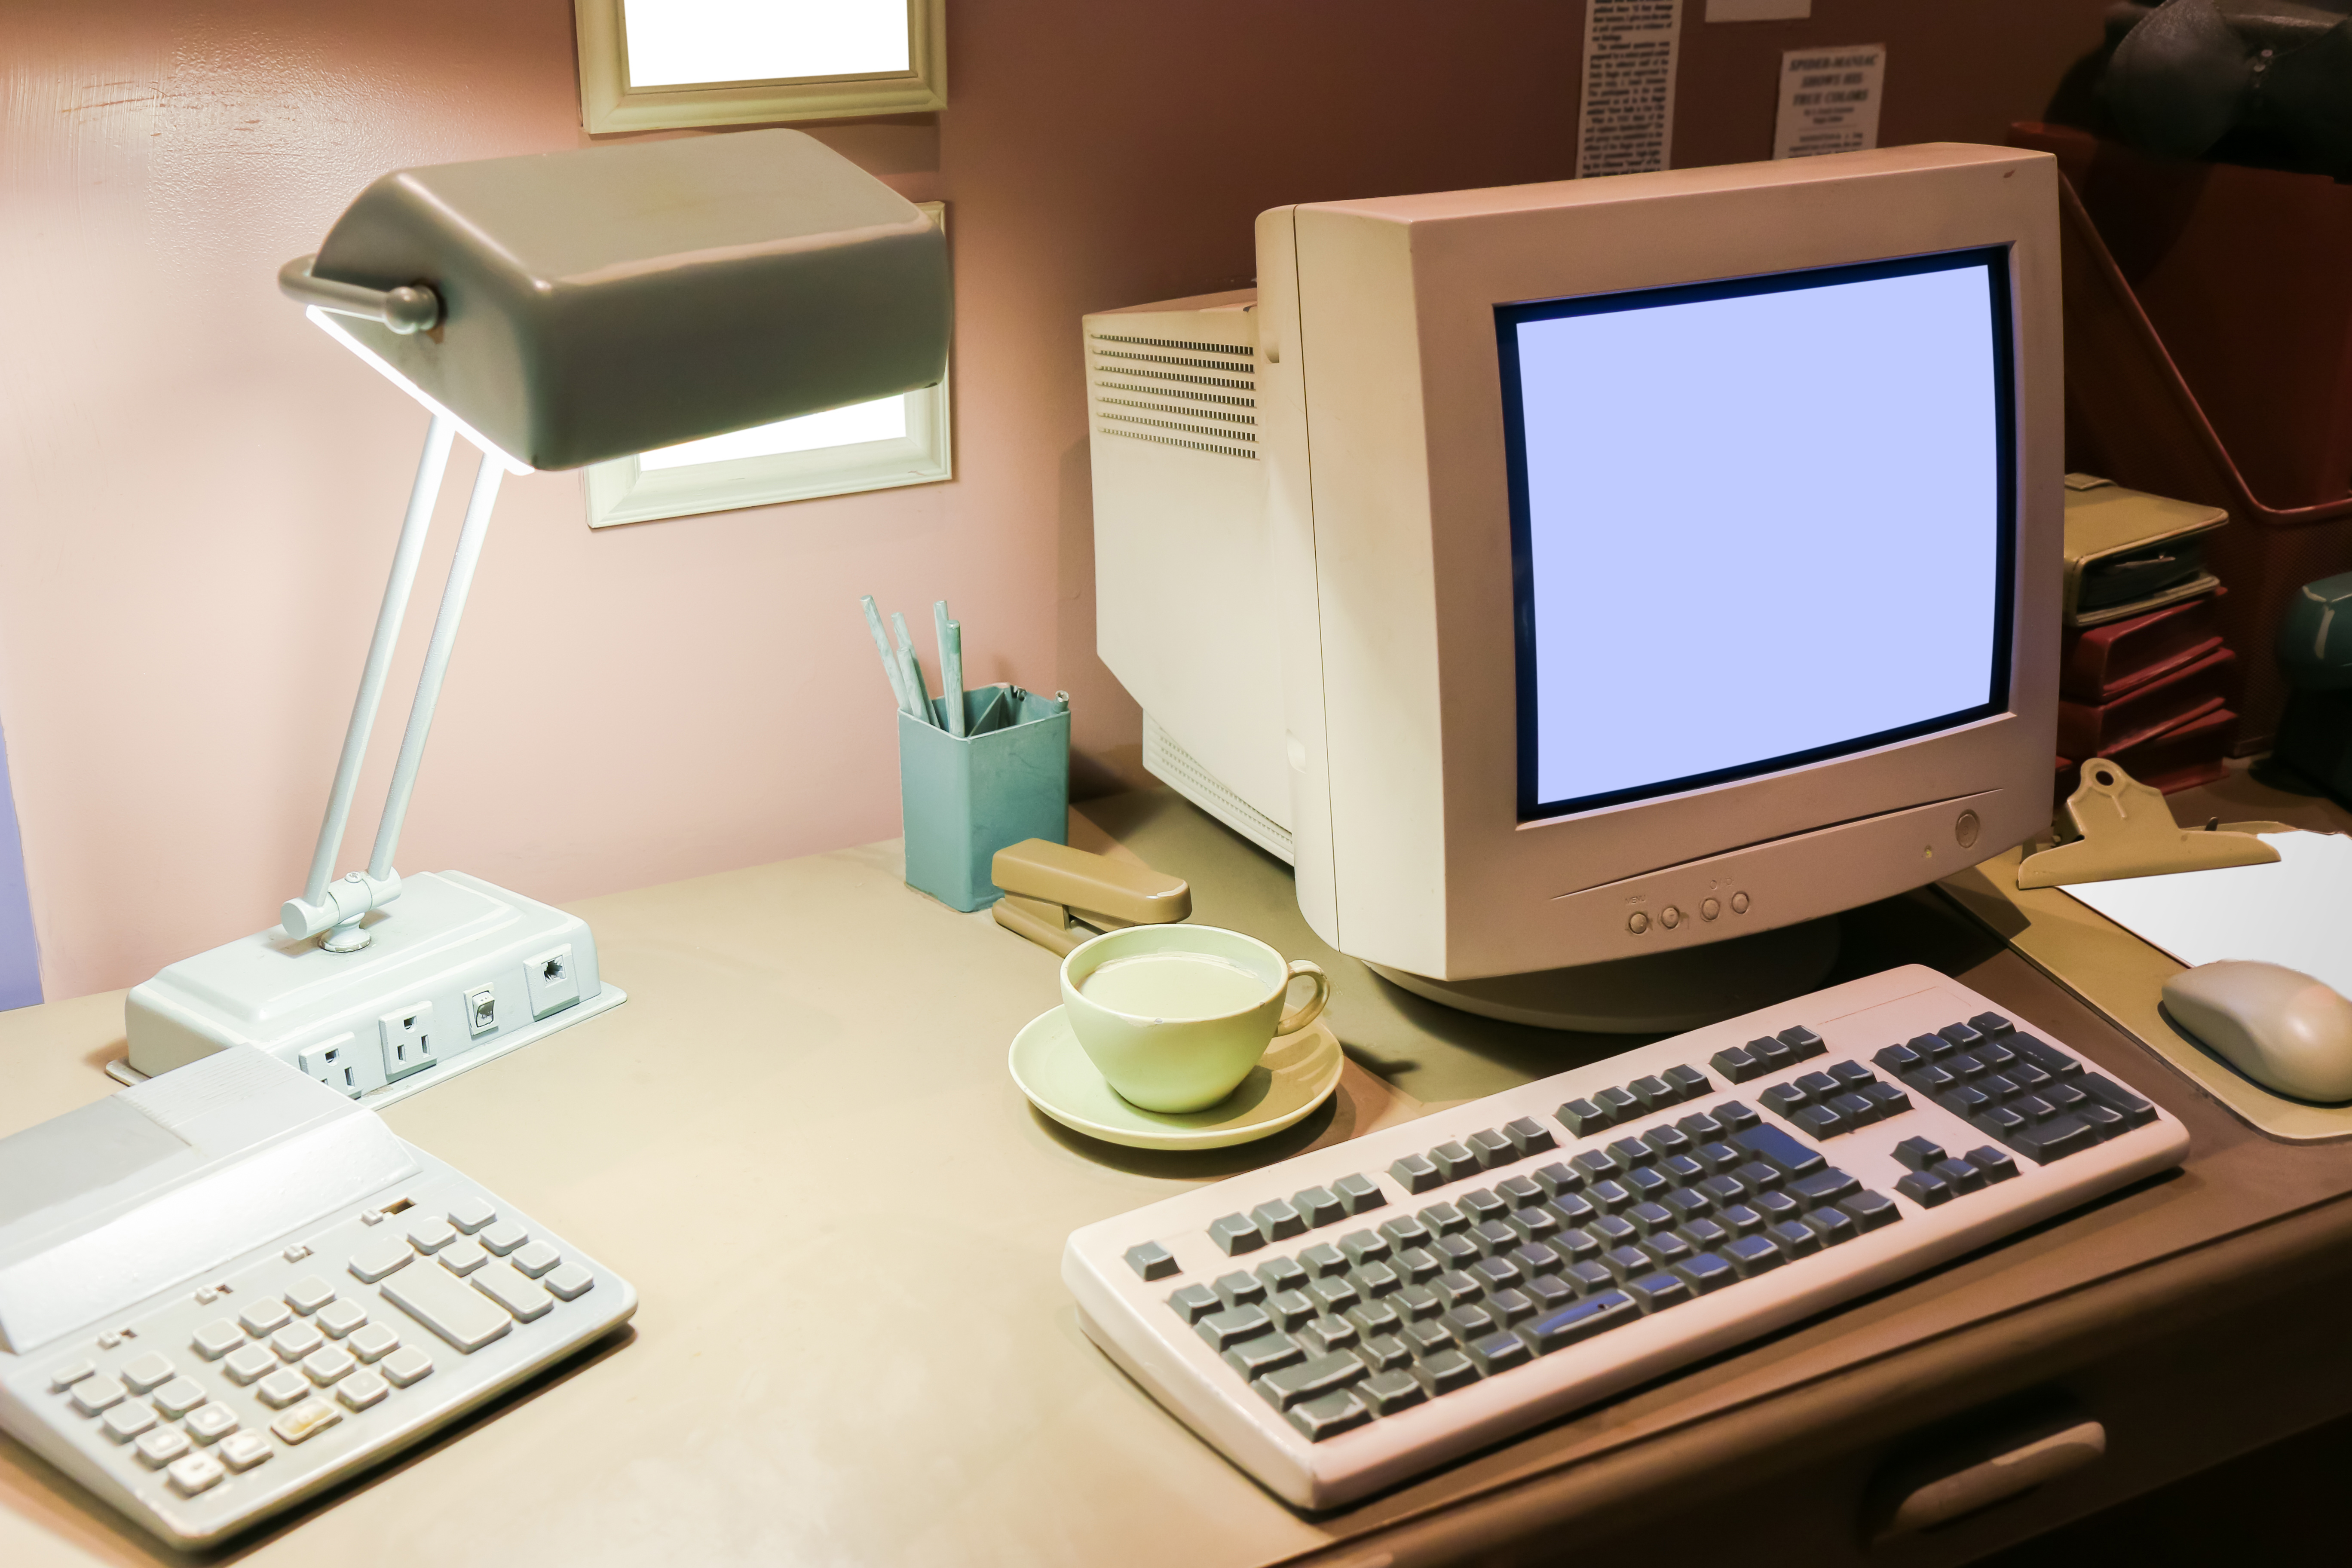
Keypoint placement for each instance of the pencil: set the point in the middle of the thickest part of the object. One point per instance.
(950, 633)
(912, 669)
(889, 657)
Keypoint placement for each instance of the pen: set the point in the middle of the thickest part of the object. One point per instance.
(889, 657)
(912, 669)
(951, 635)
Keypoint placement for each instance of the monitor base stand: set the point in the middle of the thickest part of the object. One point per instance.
(1659, 993)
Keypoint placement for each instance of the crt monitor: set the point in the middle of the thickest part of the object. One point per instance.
(1655, 562)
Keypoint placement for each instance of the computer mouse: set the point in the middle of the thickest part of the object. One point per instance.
(2278, 1026)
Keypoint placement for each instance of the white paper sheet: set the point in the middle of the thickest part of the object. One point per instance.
(1626, 123)
(2297, 912)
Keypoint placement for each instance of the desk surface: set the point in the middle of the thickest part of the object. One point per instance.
(799, 1140)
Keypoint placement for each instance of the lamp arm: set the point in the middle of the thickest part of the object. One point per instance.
(315, 911)
(437, 666)
(411, 308)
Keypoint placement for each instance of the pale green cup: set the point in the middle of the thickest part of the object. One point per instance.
(1181, 1060)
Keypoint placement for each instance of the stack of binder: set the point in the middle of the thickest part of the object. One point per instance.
(2147, 678)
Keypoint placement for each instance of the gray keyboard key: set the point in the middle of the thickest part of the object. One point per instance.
(1239, 1289)
(1530, 1136)
(1282, 1274)
(1404, 1231)
(1322, 1260)
(1493, 1147)
(1290, 1308)
(1312, 1379)
(1194, 1302)
(1319, 1206)
(1358, 1195)
(1445, 1219)
(1326, 1334)
(1482, 1205)
(1277, 1221)
(1498, 1352)
(1416, 1302)
(1520, 1191)
(1443, 1371)
(1235, 1234)
(1688, 1081)
(1329, 1415)
(1425, 1340)
(1509, 1307)
(1454, 1160)
(1415, 1173)
(1148, 1260)
(1468, 1322)
(1595, 1314)
(1419, 1265)
(1384, 1352)
(1583, 1118)
(1334, 1295)
(1389, 1392)
(1550, 1292)
(1229, 1327)
(1267, 1352)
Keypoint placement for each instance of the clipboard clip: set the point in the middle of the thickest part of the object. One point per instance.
(2127, 830)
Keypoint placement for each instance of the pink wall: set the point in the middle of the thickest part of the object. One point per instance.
(198, 491)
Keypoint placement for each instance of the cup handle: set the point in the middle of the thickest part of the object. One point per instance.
(1296, 1018)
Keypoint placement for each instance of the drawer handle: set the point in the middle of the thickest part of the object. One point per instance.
(1998, 1479)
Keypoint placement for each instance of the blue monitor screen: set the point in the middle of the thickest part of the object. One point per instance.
(1757, 522)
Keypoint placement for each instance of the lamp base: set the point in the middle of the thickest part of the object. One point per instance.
(458, 971)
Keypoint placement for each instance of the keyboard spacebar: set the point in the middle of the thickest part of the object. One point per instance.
(442, 1302)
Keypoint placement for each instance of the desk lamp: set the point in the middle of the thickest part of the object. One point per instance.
(555, 309)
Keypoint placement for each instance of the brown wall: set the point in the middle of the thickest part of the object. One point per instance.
(198, 492)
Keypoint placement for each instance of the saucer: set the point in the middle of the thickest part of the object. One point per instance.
(1296, 1074)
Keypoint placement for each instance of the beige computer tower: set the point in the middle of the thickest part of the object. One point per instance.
(1183, 583)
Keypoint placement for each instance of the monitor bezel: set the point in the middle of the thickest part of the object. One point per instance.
(1994, 262)
(1391, 531)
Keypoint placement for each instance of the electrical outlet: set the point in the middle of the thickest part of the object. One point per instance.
(333, 1065)
(551, 982)
(407, 1040)
(481, 1011)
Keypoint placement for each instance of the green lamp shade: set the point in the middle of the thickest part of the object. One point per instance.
(607, 301)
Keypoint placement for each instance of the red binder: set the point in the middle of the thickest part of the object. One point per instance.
(2104, 729)
(2101, 663)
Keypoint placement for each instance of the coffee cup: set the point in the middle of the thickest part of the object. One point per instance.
(1174, 1016)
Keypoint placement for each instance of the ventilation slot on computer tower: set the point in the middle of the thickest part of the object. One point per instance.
(1171, 763)
(1147, 395)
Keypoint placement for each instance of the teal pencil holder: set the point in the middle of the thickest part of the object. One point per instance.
(963, 798)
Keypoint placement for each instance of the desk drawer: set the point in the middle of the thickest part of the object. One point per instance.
(2180, 1364)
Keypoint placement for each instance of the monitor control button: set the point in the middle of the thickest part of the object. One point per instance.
(1739, 903)
(1670, 917)
(1709, 909)
(1637, 922)
(1966, 827)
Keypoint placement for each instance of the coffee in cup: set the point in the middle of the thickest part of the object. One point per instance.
(1174, 1016)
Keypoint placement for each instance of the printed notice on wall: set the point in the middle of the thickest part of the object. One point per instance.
(1829, 100)
(1627, 122)
(1759, 10)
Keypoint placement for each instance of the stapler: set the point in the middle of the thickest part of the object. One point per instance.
(1058, 897)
